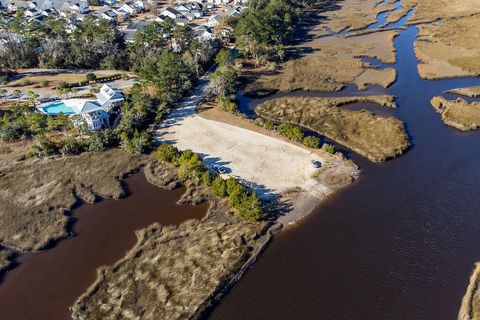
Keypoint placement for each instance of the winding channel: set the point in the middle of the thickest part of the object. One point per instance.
(44, 285)
(398, 244)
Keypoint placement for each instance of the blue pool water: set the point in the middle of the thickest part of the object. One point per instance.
(56, 108)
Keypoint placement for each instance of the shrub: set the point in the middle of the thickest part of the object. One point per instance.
(25, 82)
(167, 153)
(219, 187)
(12, 131)
(328, 148)
(101, 141)
(190, 163)
(259, 122)
(311, 142)
(3, 79)
(91, 76)
(43, 147)
(62, 85)
(44, 83)
(138, 144)
(71, 146)
(291, 131)
(206, 178)
(232, 184)
(225, 103)
(268, 125)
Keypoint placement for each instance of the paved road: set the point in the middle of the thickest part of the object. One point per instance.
(43, 93)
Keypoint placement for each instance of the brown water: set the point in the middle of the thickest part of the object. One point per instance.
(44, 285)
(399, 244)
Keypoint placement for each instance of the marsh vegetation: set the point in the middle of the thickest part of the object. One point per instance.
(375, 137)
(37, 193)
(458, 113)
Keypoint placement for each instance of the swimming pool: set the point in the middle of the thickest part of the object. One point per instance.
(56, 108)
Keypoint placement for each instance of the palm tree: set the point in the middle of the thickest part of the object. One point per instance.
(67, 91)
(4, 92)
(74, 91)
(17, 93)
(32, 97)
(93, 90)
(60, 92)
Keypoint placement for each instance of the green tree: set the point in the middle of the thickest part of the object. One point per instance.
(43, 147)
(32, 97)
(168, 153)
(139, 143)
(219, 187)
(37, 122)
(311, 142)
(12, 131)
(71, 146)
(3, 92)
(224, 58)
(91, 76)
(168, 75)
(328, 148)
(101, 140)
(17, 93)
(291, 131)
(207, 178)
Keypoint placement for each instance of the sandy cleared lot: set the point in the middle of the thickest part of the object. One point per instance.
(273, 165)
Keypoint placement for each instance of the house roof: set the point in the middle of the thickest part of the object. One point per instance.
(173, 11)
(82, 106)
(107, 94)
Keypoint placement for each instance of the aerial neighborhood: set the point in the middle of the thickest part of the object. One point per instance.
(128, 16)
(85, 45)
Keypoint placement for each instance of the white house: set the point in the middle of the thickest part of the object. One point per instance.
(109, 15)
(171, 13)
(214, 21)
(203, 34)
(95, 113)
(128, 9)
(91, 112)
(139, 5)
(109, 97)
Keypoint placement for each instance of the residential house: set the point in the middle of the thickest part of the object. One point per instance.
(132, 28)
(109, 15)
(203, 34)
(91, 112)
(214, 21)
(109, 97)
(131, 10)
(171, 13)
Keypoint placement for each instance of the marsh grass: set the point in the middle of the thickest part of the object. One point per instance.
(470, 308)
(172, 272)
(458, 113)
(36, 193)
(4, 259)
(375, 137)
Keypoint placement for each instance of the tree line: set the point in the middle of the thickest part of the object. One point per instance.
(266, 25)
(95, 44)
(190, 165)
